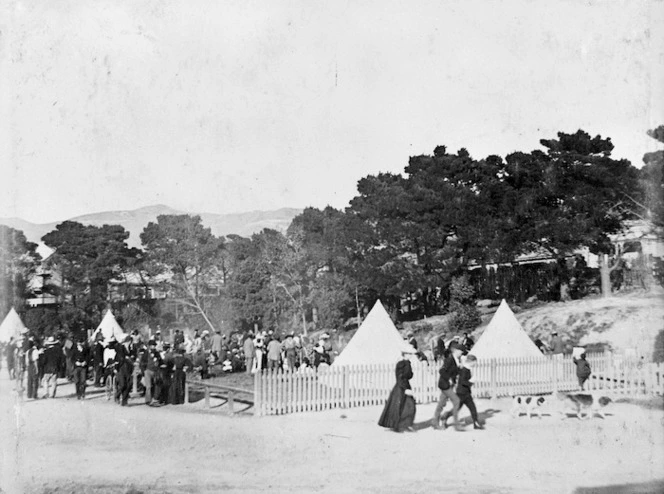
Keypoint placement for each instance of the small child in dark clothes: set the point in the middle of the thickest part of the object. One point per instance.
(463, 390)
(582, 369)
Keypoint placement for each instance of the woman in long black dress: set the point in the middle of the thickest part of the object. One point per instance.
(180, 363)
(399, 411)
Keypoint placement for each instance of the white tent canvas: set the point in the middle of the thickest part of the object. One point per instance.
(12, 326)
(505, 338)
(109, 327)
(377, 341)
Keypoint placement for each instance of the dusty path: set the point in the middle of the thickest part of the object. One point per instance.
(64, 445)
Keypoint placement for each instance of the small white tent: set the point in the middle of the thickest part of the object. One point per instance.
(377, 341)
(505, 338)
(109, 327)
(11, 326)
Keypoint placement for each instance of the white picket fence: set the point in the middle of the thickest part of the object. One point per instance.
(279, 391)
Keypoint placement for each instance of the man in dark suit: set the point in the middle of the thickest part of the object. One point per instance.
(98, 360)
(448, 374)
(125, 369)
(80, 357)
(52, 360)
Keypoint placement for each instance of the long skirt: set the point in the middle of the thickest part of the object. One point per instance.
(399, 410)
(176, 395)
(33, 383)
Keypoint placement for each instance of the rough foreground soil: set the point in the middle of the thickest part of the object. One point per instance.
(65, 445)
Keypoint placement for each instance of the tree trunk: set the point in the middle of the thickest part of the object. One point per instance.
(605, 270)
(304, 323)
(605, 276)
(357, 306)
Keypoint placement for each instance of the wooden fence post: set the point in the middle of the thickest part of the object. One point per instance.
(494, 391)
(555, 361)
(257, 393)
(231, 402)
(186, 391)
(345, 389)
(207, 397)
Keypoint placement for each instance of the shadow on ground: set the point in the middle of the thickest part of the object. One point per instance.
(483, 416)
(656, 486)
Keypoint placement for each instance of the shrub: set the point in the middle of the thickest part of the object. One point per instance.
(658, 353)
(465, 317)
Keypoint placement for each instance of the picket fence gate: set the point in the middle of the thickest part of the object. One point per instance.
(278, 391)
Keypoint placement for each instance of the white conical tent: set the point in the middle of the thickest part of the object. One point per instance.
(377, 341)
(109, 327)
(505, 338)
(12, 326)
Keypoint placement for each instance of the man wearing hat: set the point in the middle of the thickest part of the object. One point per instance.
(80, 357)
(288, 347)
(31, 360)
(557, 345)
(98, 359)
(52, 359)
(217, 342)
(448, 374)
(150, 366)
(165, 371)
(125, 368)
(178, 339)
(410, 338)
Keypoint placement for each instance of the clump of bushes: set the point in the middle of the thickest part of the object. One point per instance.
(465, 316)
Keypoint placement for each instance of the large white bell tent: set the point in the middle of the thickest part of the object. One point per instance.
(12, 327)
(109, 328)
(368, 361)
(505, 338)
(377, 341)
(508, 361)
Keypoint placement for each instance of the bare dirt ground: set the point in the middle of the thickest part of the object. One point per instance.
(628, 320)
(94, 446)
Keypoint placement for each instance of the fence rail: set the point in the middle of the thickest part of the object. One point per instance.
(228, 392)
(279, 391)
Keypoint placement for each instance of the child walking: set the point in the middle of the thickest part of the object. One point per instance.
(582, 369)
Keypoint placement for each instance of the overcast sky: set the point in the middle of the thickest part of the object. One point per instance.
(229, 106)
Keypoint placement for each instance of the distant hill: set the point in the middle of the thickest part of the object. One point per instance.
(243, 224)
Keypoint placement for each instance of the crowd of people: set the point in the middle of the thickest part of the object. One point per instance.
(157, 368)
(267, 350)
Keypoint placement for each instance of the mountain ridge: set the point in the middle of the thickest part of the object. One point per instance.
(134, 220)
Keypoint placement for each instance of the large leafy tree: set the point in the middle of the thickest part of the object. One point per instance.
(426, 225)
(87, 257)
(18, 261)
(248, 291)
(184, 255)
(569, 197)
(650, 204)
(325, 237)
(285, 258)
